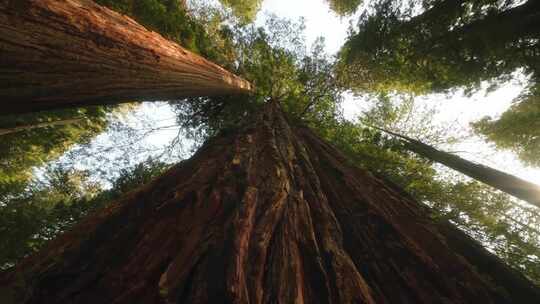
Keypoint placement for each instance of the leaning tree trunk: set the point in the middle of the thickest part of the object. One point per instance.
(267, 214)
(21, 128)
(74, 52)
(497, 179)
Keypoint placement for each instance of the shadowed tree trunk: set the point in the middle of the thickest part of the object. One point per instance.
(268, 213)
(21, 128)
(74, 52)
(502, 181)
(505, 182)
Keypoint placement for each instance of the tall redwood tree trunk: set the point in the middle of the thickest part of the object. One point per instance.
(74, 52)
(267, 214)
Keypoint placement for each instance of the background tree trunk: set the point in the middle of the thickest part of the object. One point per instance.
(74, 52)
(20, 128)
(266, 214)
(502, 181)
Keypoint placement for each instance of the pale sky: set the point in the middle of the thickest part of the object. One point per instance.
(320, 20)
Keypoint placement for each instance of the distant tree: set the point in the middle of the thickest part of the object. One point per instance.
(344, 7)
(508, 228)
(140, 174)
(22, 128)
(448, 44)
(440, 45)
(41, 211)
(277, 62)
(517, 129)
(245, 10)
(267, 211)
(502, 225)
(502, 181)
(20, 152)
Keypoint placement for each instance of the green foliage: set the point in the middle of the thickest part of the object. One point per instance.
(22, 151)
(276, 61)
(384, 157)
(449, 44)
(140, 174)
(44, 209)
(344, 7)
(55, 202)
(505, 227)
(32, 213)
(392, 50)
(245, 10)
(518, 129)
(407, 116)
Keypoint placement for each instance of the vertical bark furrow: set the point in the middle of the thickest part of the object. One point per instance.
(270, 214)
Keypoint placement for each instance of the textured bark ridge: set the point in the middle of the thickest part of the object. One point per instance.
(267, 214)
(75, 52)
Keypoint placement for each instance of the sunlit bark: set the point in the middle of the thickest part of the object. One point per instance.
(74, 52)
(21, 128)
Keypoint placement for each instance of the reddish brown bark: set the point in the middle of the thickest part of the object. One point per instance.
(267, 214)
(75, 52)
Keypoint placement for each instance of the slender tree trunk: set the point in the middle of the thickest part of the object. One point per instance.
(74, 52)
(266, 214)
(505, 182)
(20, 128)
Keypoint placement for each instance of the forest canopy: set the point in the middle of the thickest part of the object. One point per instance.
(441, 46)
(397, 52)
